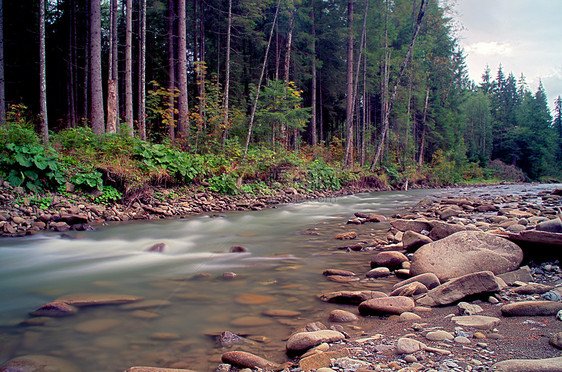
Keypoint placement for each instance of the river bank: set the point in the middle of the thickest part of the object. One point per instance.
(281, 303)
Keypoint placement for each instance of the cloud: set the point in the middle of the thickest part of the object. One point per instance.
(490, 48)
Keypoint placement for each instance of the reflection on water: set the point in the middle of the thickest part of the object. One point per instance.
(282, 270)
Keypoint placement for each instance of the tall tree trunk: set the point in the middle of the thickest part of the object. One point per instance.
(227, 74)
(129, 68)
(112, 95)
(386, 113)
(171, 70)
(183, 107)
(364, 113)
(97, 117)
(2, 93)
(142, 71)
(255, 104)
(422, 142)
(349, 92)
(42, 75)
(71, 80)
(86, 91)
(359, 58)
(287, 62)
(314, 83)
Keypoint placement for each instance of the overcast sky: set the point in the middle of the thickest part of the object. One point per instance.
(525, 36)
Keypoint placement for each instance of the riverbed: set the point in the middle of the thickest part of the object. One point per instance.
(288, 249)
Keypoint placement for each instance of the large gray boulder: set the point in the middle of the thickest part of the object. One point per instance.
(464, 253)
(529, 365)
(459, 288)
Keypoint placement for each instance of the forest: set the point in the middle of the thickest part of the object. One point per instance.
(227, 94)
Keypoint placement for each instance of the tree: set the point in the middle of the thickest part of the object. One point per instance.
(2, 92)
(349, 91)
(171, 70)
(183, 108)
(557, 123)
(227, 73)
(96, 90)
(112, 90)
(313, 88)
(129, 67)
(142, 72)
(42, 75)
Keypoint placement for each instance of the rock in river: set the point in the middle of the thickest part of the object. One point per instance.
(391, 259)
(302, 341)
(464, 253)
(386, 306)
(38, 363)
(248, 360)
(55, 309)
(97, 299)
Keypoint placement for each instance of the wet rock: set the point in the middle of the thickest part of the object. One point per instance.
(146, 304)
(529, 365)
(553, 226)
(342, 279)
(386, 306)
(253, 299)
(86, 299)
(440, 230)
(342, 316)
(449, 211)
(351, 297)
(248, 360)
(375, 218)
(156, 369)
(228, 339)
(378, 272)
(59, 226)
(158, 247)
(281, 313)
(38, 363)
(321, 359)
(523, 274)
(476, 321)
(391, 259)
(413, 240)
(430, 280)
(531, 308)
(229, 275)
(330, 272)
(238, 249)
(302, 341)
(251, 321)
(466, 252)
(96, 325)
(346, 235)
(458, 288)
(55, 309)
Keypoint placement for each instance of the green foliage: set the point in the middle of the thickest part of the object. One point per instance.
(42, 203)
(88, 180)
(322, 177)
(18, 128)
(445, 170)
(31, 166)
(223, 184)
(168, 163)
(109, 195)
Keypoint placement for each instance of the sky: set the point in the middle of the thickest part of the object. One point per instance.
(525, 36)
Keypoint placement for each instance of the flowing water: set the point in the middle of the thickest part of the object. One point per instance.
(289, 247)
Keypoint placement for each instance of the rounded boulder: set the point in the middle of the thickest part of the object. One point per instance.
(391, 259)
(387, 306)
(302, 341)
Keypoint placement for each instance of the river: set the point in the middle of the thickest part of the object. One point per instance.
(288, 248)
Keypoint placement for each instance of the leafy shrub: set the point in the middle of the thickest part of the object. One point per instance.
(88, 180)
(445, 171)
(182, 166)
(223, 184)
(109, 195)
(322, 177)
(18, 128)
(506, 172)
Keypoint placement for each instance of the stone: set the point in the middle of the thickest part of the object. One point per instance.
(553, 226)
(459, 288)
(238, 249)
(228, 339)
(409, 346)
(156, 369)
(330, 272)
(321, 360)
(464, 253)
(251, 321)
(253, 299)
(351, 297)
(59, 226)
(391, 259)
(430, 280)
(387, 306)
(342, 316)
(476, 321)
(440, 230)
(413, 240)
(158, 247)
(229, 275)
(248, 360)
(531, 308)
(556, 340)
(281, 313)
(449, 211)
(346, 235)
(523, 274)
(529, 365)
(466, 308)
(38, 363)
(85, 299)
(55, 309)
(410, 290)
(375, 218)
(462, 340)
(302, 341)
(532, 288)
(439, 336)
(146, 304)
(378, 272)
(409, 317)
(342, 279)
(96, 325)
(413, 225)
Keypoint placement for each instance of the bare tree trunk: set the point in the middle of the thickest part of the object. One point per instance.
(349, 92)
(364, 113)
(86, 91)
(43, 75)
(313, 88)
(2, 92)
(142, 72)
(70, 81)
(129, 68)
(253, 111)
(227, 74)
(422, 143)
(97, 116)
(171, 70)
(396, 83)
(183, 107)
(111, 125)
